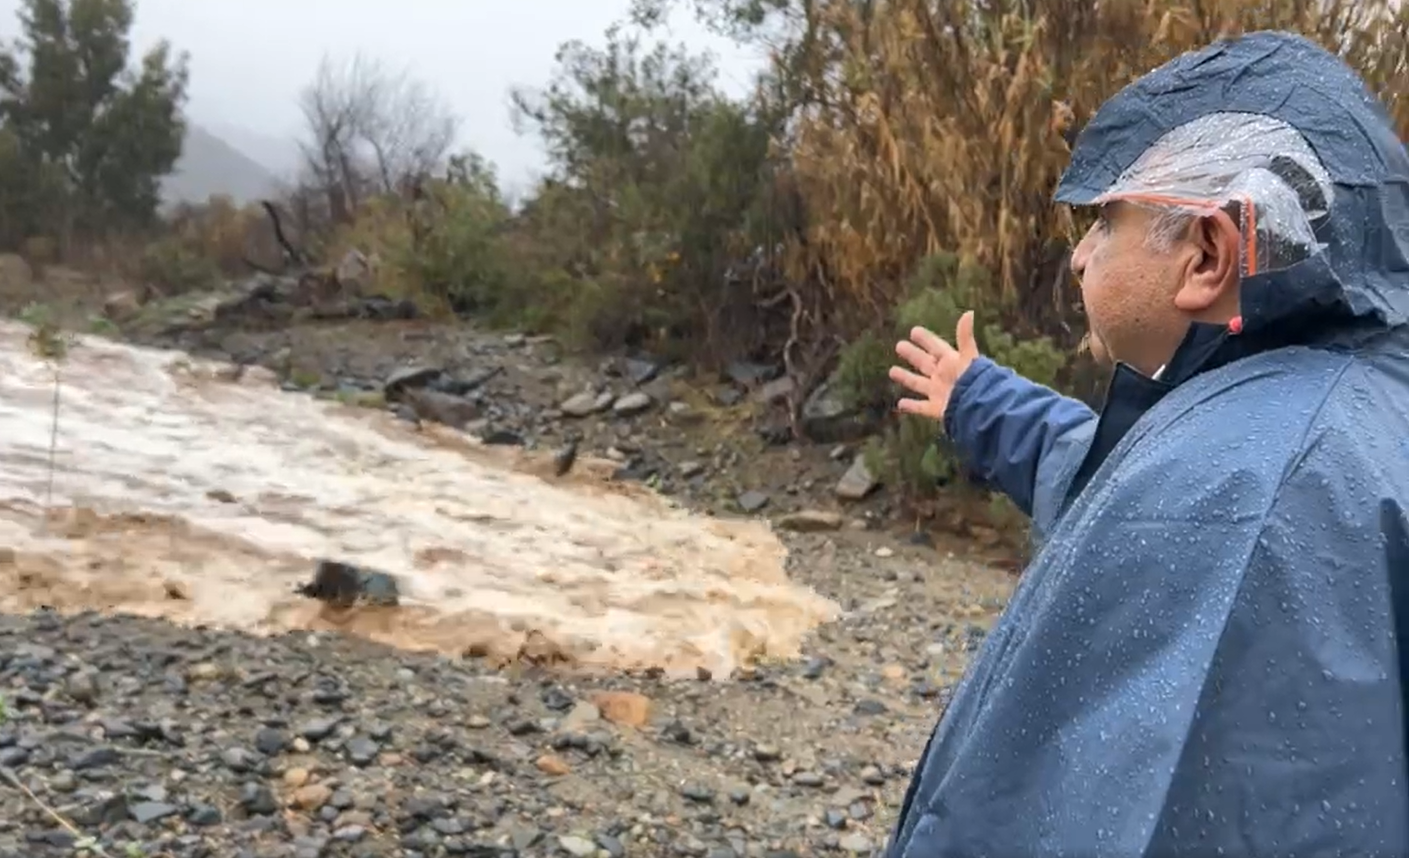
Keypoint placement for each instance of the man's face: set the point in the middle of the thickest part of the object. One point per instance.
(1128, 289)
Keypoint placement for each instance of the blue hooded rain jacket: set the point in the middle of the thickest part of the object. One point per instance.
(1208, 655)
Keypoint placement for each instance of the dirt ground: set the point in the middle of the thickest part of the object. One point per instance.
(132, 736)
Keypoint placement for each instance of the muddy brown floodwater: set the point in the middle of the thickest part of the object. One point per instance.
(185, 489)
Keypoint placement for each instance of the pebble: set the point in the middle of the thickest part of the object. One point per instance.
(632, 403)
(578, 846)
(553, 765)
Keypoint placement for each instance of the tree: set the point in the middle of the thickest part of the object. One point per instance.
(370, 130)
(660, 184)
(83, 125)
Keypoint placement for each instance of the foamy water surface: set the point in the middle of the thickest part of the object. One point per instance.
(184, 490)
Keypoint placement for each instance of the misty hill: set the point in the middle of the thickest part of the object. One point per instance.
(208, 165)
(279, 154)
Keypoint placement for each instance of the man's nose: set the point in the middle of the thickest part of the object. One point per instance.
(1082, 254)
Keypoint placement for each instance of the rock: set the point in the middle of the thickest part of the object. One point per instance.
(809, 521)
(777, 390)
(318, 729)
(584, 404)
(296, 777)
(311, 797)
(270, 741)
(343, 585)
(240, 759)
(122, 306)
(446, 409)
(623, 707)
(354, 272)
(258, 799)
(408, 378)
(639, 371)
(556, 699)
(808, 779)
(751, 374)
(523, 836)
(856, 843)
(752, 501)
(583, 714)
(827, 419)
(385, 309)
(146, 812)
(552, 765)
(500, 437)
(857, 482)
(728, 396)
(204, 815)
(678, 732)
(349, 833)
(632, 403)
(362, 751)
(577, 846)
(697, 793)
(95, 758)
(82, 687)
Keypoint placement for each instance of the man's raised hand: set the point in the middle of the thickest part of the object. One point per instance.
(937, 366)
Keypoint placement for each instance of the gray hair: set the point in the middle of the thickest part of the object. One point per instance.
(1227, 156)
(1169, 225)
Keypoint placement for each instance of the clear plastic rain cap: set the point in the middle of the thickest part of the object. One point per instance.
(1258, 170)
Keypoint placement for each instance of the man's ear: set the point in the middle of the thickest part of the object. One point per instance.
(1213, 266)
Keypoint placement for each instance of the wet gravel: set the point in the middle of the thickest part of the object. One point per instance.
(152, 739)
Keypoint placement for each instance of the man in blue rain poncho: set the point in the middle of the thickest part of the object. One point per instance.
(1209, 652)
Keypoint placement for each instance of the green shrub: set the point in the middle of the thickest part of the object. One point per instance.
(170, 267)
(910, 454)
(458, 253)
(861, 371)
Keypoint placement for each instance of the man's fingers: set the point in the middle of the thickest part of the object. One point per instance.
(910, 381)
(921, 360)
(930, 342)
(919, 407)
(964, 335)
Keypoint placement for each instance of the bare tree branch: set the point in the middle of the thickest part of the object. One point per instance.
(370, 130)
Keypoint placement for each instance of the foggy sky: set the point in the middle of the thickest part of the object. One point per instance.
(249, 58)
